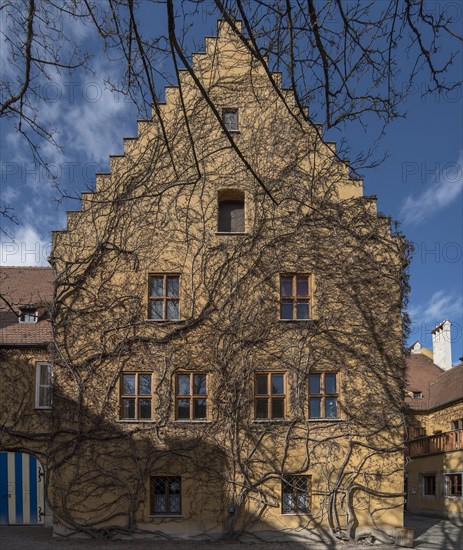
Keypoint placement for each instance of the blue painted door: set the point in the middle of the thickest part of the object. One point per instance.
(21, 489)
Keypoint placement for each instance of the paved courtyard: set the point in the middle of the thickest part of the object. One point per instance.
(430, 534)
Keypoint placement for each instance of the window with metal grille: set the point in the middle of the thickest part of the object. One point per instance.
(453, 484)
(323, 395)
(166, 495)
(136, 396)
(43, 385)
(191, 396)
(164, 297)
(296, 494)
(295, 297)
(230, 119)
(270, 395)
(231, 211)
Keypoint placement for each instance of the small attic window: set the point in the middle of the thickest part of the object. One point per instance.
(417, 395)
(28, 315)
(230, 119)
(231, 211)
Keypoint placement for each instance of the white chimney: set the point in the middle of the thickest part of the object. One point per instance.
(442, 345)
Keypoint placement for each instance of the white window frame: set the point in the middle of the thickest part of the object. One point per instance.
(38, 386)
(36, 315)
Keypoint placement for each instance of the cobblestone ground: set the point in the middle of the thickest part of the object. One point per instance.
(430, 534)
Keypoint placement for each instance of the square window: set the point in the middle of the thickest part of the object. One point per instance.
(296, 494)
(136, 398)
(295, 292)
(43, 385)
(164, 297)
(323, 395)
(230, 119)
(191, 396)
(270, 396)
(166, 495)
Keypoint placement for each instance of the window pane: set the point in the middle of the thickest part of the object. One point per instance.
(183, 384)
(330, 383)
(156, 309)
(128, 384)
(199, 408)
(278, 384)
(261, 384)
(302, 309)
(159, 485)
(199, 384)
(183, 409)
(261, 408)
(331, 407)
(314, 383)
(278, 408)
(128, 408)
(159, 503)
(174, 486)
(286, 310)
(145, 409)
(314, 407)
(173, 309)
(174, 504)
(231, 216)
(144, 384)
(286, 286)
(45, 374)
(230, 119)
(173, 286)
(156, 287)
(302, 286)
(44, 396)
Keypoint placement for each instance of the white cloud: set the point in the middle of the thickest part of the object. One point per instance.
(27, 249)
(446, 188)
(442, 305)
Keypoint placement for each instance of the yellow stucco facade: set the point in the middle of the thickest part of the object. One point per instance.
(219, 383)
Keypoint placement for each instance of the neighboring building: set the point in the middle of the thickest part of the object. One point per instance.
(25, 391)
(227, 328)
(435, 418)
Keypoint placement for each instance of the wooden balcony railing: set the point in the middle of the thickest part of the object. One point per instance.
(438, 443)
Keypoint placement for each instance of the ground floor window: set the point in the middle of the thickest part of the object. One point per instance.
(453, 484)
(296, 494)
(166, 495)
(428, 485)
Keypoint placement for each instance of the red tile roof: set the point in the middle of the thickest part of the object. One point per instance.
(438, 387)
(21, 287)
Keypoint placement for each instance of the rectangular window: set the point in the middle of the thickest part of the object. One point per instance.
(166, 495)
(453, 484)
(43, 385)
(270, 395)
(230, 119)
(324, 395)
(457, 424)
(28, 316)
(191, 396)
(136, 396)
(295, 297)
(296, 494)
(428, 485)
(164, 297)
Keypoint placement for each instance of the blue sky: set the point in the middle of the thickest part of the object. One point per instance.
(420, 184)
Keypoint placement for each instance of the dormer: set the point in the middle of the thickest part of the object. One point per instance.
(28, 315)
